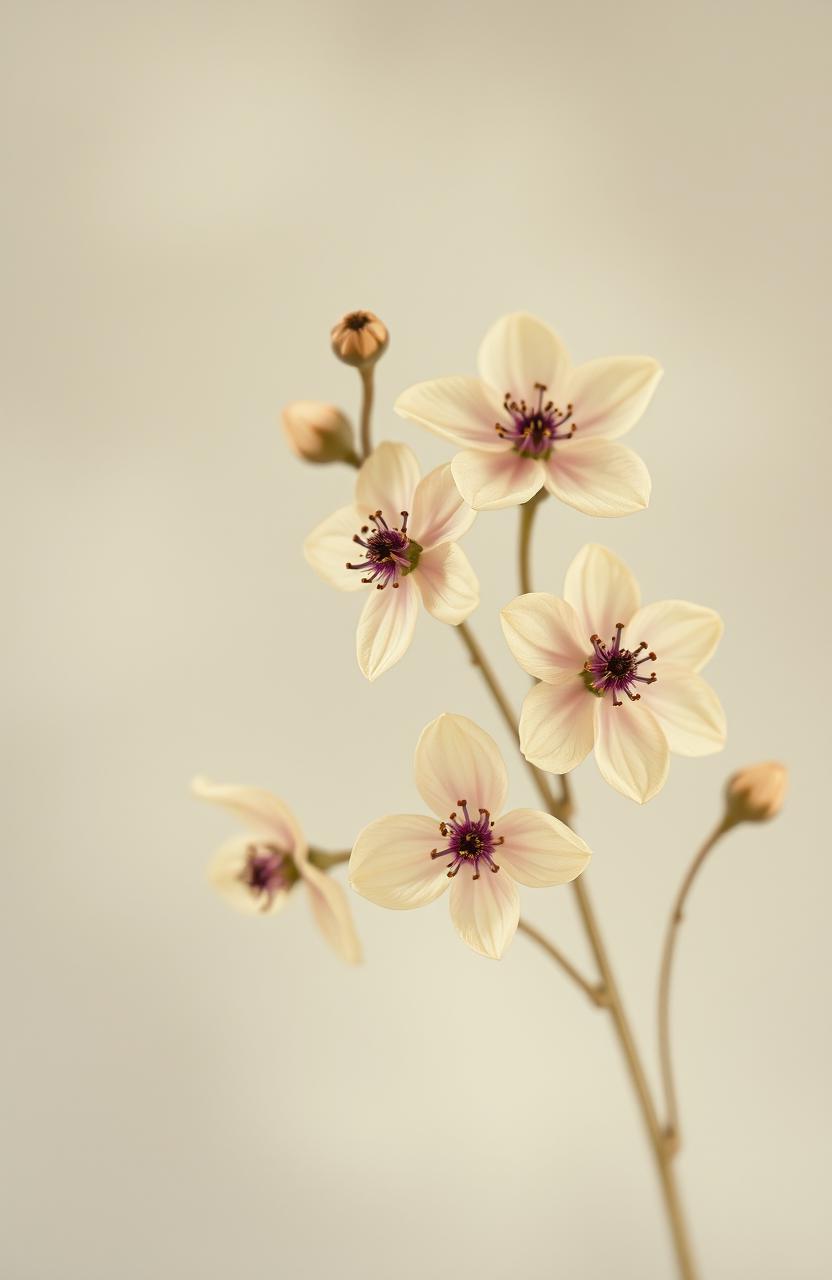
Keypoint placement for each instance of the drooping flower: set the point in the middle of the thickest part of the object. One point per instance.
(318, 432)
(757, 793)
(471, 845)
(255, 873)
(533, 419)
(399, 541)
(616, 676)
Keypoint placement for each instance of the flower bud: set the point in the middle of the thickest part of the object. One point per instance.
(359, 338)
(757, 793)
(318, 432)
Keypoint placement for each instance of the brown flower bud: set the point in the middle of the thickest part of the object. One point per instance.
(359, 338)
(318, 432)
(757, 793)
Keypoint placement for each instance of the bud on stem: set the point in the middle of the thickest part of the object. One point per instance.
(319, 432)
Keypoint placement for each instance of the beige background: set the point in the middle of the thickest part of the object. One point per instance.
(192, 194)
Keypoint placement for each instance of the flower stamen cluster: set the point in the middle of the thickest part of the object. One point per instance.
(267, 871)
(615, 669)
(389, 554)
(470, 841)
(534, 429)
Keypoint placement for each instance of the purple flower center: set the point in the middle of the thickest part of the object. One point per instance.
(615, 669)
(389, 554)
(470, 841)
(533, 430)
(267, 871)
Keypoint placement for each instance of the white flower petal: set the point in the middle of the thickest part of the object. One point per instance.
(630, 748)
(688, 711)
(440, 514)
(557, 724)
(330, 546)
(539, 850)
(485, 911)
(601, 590)
(225, 874)
(391, 864)
(387, 481)
(465, 410)
(386, 626)
(544, 635)
(489, 481)
(259, 810)
(449, 586)
(598, 477)
(520, 352)
(610, 395)
(332, 914)
(682, 633)
(457, 760)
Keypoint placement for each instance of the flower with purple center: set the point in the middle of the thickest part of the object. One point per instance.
(532, 432)
(532, 419)
(482, 853)
(635, 698)
(397, 542)
(256, 873)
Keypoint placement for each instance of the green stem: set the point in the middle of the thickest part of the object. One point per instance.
(527, 514)
(326, 860)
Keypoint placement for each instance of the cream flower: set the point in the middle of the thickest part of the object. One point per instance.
(596, 652)
(407, 540)
(408, 860)
(255, 873)
(517, 422)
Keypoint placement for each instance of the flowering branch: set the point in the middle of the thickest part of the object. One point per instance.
(515, 427)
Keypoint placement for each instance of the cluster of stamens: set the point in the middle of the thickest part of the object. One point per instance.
(267, 871)
(470, 841)
(534, 429)
(389, 554)
(615, 669)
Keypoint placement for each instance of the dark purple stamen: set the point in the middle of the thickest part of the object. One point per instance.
(267, 872)
(615, 669)
(389, 554)
(470, 841)
(533, 430)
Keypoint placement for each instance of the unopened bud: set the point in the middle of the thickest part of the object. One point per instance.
(359, 338)
(318, 432)
(757, 793)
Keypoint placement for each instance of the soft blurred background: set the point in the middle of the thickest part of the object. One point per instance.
(193, 193)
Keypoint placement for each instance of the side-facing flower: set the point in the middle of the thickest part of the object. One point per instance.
(399, 540)
(517, 422)
(256, 872)
(596, 652)
(408, 860)
(318, 432)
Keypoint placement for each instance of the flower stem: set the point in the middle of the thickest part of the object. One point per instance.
(479, 659)
(612, 999)
(326, 860)
(527, 514)
(367, 373)
(677, 915)
(596, 993)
